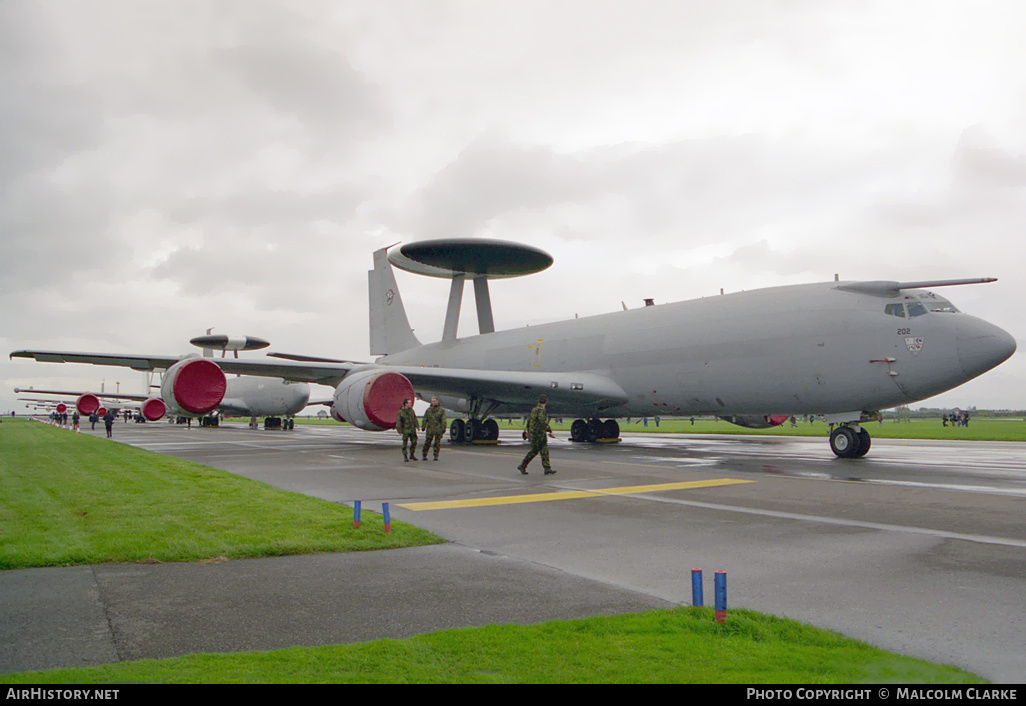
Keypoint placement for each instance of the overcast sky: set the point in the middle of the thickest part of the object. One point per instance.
(168, 167)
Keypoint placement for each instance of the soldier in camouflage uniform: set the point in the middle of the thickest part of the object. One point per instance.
(537, 428)
(434, 426)
(406, 424)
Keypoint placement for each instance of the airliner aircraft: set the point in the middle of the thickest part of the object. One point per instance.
(845, 350)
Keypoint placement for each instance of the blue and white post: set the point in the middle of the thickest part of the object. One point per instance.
(721, 596)
(696, 588)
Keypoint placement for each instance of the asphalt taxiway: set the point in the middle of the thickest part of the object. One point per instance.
(919, 548)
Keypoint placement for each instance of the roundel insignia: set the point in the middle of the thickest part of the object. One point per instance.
(914, 344)
(389, 296)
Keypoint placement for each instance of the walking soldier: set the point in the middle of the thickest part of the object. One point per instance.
(537, 428)
(406, 424)
(434, 426)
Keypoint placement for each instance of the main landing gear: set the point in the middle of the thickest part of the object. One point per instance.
(595, 431)
(849, 441)
(471, 430)
(277, 423)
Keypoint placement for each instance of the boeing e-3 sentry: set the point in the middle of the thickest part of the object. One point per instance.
(842, 349)
(151, 408)
(199, 389)
(239, 397)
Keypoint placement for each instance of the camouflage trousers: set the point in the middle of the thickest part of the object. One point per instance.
(430, 437)
(410, 437)
(538, 446)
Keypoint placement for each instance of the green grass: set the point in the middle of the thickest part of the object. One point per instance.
(683, 645)
(69, 498)
(979, 429)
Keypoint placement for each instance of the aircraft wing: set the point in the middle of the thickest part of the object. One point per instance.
(311, 358)
(322, 373)
(42, 400)
(102, 395)
(571, 391)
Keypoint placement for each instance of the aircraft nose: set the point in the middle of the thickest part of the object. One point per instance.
(982, 345)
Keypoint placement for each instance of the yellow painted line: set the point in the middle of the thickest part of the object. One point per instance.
(570, 495)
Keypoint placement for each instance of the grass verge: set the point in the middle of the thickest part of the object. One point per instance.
(683, 645)
(979, 429)
(70, 498)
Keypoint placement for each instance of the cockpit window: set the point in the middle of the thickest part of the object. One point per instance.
(895, 310)
(935, 303)
(915, 309)
(940, 305)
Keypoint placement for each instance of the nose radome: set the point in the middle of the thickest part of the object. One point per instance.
(982, 345)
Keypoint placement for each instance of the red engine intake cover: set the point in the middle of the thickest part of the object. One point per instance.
(62, 408)
(87, 403)
(153, 409)
(199, 385)
(370, 399)
(778, 419)
(383, 397)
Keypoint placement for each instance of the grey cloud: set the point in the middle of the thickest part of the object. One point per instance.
(976, 159)
(313, 83)
(980, 191)
(54, 234)
(488, 178)
(691, 190)
(262, 208)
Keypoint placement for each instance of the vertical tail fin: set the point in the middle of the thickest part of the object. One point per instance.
(390, 330)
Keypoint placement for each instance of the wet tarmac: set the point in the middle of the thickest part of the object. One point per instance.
(919, 548)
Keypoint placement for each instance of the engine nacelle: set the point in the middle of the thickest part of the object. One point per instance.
(153, 409)
(87, 403)
(61, 408)
(757, 421)
(193, 386)
(371, 399)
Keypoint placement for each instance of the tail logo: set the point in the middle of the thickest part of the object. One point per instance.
(389, 296)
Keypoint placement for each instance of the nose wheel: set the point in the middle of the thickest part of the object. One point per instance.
(849, 441)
